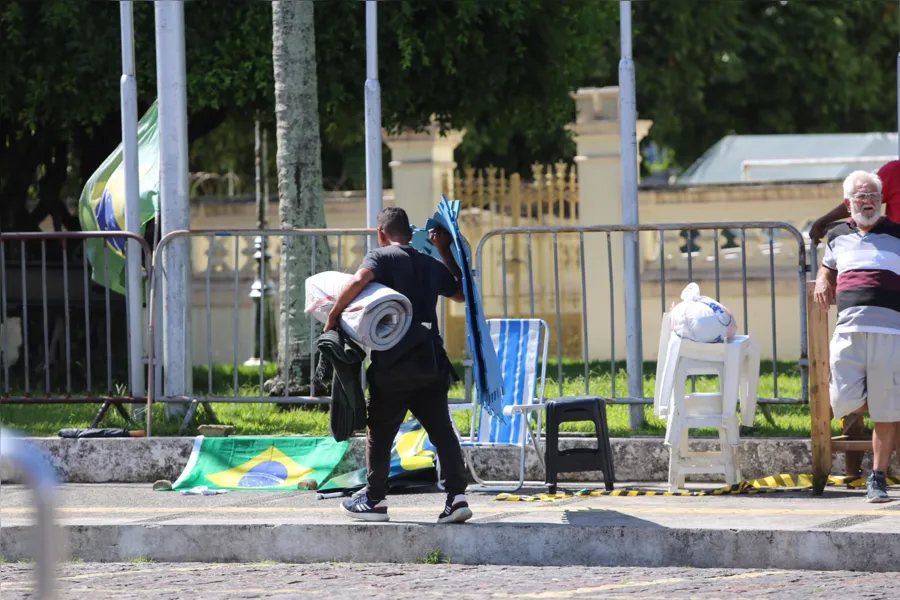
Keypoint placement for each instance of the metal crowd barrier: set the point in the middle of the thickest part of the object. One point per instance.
(230, 272)
(40, 477)
(219, 273)
(795, 260)
(47, 280)
(224, 269)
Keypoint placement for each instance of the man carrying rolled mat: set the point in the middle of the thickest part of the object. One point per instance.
(415, 375)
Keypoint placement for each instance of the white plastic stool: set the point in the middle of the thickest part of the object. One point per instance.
(693, 411)
(736, 363)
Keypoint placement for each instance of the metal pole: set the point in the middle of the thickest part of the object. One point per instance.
(374, 192)
(898, 104)
(174, 199)
(41, 478)
(629, 150)
(271, 345)
(265, 161)
(260, 290)
(128, 86)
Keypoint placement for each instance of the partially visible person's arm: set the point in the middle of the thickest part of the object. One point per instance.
(826, 282)
(350, 291)
(454, 269)
(826, 279)
(441, 240)
(817, 231)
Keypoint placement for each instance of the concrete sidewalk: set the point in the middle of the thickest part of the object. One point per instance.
(120, 522)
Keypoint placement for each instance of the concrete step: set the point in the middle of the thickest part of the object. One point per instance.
(537, 544)
(839, 531)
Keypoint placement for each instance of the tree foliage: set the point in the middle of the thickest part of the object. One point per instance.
(503, 70)
(705, 70)
(60, 88)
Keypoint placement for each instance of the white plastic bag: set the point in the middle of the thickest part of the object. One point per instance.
(701, 319)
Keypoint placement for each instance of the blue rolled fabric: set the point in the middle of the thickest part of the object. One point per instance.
(486, 366)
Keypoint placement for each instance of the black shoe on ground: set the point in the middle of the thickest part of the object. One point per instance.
(360, 507)
(876, 488)
(456, 510)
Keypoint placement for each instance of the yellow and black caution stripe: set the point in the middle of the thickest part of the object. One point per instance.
(764, 485)
(537, 498)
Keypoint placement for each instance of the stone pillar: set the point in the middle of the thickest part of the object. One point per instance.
(419, 163)
(598, 159)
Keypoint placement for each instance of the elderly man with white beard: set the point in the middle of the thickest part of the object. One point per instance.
(862, 263)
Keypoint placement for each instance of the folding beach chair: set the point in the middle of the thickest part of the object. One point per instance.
(521, 346)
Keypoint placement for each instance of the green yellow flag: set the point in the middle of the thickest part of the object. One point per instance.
(102, 203)
(260, 463)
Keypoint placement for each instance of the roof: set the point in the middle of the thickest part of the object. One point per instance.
(722, 163)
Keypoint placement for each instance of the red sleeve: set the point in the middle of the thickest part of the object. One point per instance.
(890, 189)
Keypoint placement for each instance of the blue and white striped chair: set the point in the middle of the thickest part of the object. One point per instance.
(521, 346)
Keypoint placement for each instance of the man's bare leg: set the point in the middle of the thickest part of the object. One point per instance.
(884, 438)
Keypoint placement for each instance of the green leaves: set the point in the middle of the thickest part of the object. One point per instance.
(503, 70)
(705, 70)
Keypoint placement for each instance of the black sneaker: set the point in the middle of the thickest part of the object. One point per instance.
(360, 507)
(876, 488)
(456, 510)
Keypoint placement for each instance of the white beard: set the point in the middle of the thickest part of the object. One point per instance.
(865, 221)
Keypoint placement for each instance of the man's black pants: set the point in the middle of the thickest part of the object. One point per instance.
(386, 412)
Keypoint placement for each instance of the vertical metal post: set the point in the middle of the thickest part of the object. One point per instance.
(629, 150)
(134, 256)
(265, 161)
(260, 291)
(41, 478)
(174, 199)
(374, 190)
(898, 108)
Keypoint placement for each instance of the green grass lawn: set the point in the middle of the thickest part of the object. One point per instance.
(269, 419)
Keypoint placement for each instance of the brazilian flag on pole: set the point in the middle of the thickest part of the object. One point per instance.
(102, 203)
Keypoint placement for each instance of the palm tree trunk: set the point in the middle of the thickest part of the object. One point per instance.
(300, 193)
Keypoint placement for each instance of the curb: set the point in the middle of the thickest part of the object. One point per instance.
(475, 543)
(145, 460)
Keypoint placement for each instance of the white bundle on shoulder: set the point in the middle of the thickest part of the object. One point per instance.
(700, 318)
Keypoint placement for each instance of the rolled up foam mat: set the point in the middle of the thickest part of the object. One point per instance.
(377, 319)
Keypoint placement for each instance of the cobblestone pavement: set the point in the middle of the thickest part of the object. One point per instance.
(456, 582)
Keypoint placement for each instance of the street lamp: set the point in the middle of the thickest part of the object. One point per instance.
(260, 291)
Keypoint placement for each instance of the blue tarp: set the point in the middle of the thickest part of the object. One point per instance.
(486, 366)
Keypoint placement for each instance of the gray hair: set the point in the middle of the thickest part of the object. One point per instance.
(856, 178)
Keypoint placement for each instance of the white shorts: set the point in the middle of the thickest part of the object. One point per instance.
(865, 369)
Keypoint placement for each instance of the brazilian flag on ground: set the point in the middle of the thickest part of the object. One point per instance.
(259, 463)
(101, 206)
(412, 462)
(280, 463)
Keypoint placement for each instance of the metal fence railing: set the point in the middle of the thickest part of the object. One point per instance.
(780, 265)
(241, 322)
(62, 335)
(239, 280)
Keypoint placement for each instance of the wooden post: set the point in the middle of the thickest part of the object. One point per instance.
(819, 400)
(853, 429)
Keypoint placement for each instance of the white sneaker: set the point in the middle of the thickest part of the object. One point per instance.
(456, 510)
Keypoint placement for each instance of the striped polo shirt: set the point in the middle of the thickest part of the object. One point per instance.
(868, 276)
